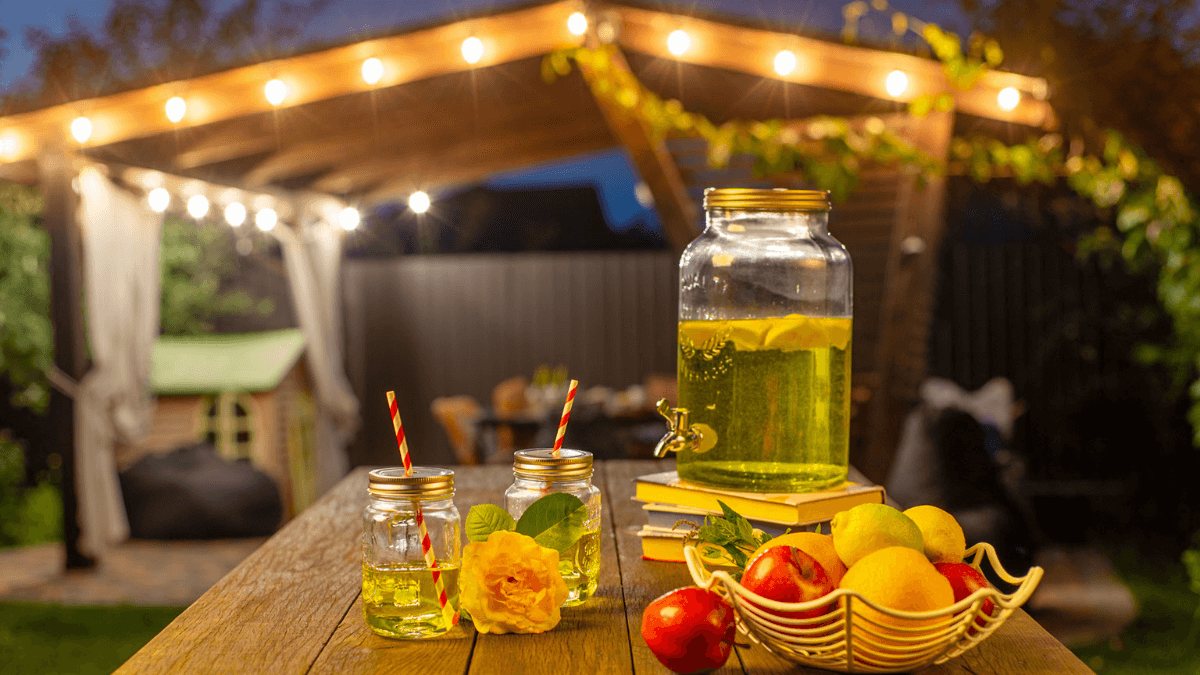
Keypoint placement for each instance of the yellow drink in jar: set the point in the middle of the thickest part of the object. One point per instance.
(401, 600)
(580, 568)
(771, 398)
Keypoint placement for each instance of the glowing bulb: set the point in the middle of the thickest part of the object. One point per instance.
(159, 199)
(8, 145)
(678, 42)
(372, 70)
(785, 62)
(176, 108)
(419, 202)
(197, 206)
(349, 218)
(472, 49)
(1008, 98)
(896, 83)
(266, 219)
(577, 23)
(275, 92)
(235, 214)
(81, 129)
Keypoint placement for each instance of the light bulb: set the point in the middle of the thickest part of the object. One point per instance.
(159, 199)
(349, 218)
(372, 70)
(81, 129)
(678, 42)
(197, 206)
(275, 92)
(785, 62)
(8, 146)
(235, 214)
(419, 202)
(176, 108)
(472, 49)
(1008, 98)
(577, 23)
(266, 219)
(896, 83)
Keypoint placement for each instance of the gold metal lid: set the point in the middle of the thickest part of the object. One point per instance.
(541, 463)
(424, 483)
(778, 199)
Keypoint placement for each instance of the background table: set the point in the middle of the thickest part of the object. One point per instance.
(294, 607)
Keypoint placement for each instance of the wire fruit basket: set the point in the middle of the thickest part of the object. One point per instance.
(856, 635)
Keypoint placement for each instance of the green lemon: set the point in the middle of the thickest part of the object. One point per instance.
(867, 528)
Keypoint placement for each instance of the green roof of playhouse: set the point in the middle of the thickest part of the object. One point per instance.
(201, 364)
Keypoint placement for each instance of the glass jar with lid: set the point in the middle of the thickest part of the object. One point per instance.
(400, 599)
(765, 307)
(537, 473)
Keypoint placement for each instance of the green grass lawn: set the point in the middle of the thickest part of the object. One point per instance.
(51, 639)
(1156, 643)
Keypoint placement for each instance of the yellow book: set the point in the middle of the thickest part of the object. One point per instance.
(806, 507)
(666, 545)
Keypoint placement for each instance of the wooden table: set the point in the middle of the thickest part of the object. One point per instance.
(293, 606)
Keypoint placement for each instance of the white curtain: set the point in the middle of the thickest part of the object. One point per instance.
(113, 403)
(312, 255)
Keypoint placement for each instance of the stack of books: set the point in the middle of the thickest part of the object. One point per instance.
(674, 508)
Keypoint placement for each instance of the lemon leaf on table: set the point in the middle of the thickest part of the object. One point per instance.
(484, 519)
(554, 521)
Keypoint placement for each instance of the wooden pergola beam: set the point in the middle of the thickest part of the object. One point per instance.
(680, 217)
(828, 65)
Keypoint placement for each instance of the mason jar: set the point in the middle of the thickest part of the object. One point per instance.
(400, 595)
(765, 308)
(537, 473)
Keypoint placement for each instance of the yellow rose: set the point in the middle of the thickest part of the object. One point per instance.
(509, 584)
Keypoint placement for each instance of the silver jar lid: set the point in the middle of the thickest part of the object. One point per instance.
(424, 483)
(541, 463)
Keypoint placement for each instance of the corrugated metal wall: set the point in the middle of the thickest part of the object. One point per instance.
(430, 326)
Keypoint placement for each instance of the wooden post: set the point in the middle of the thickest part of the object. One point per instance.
(66, 313)
(901, 355)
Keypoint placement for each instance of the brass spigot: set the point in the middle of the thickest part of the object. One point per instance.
(680, 434)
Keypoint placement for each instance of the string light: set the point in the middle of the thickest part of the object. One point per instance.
(8, 145)
(577, 23)
(349, 218)
(275, 91)
(266, 219)
(81, 129)
(678, 42)
(372, 70)
(1008, 98)
(176, 108)
(159, 199)
(896, 83)
(235, 214)
(419, 202)
(472, 50)
(197, 206)
(785, 62)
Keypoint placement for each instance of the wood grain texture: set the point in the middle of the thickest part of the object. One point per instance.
(275, 611)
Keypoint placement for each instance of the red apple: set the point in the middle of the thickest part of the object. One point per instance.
(690, 630)
(787, 574)
(965, 580)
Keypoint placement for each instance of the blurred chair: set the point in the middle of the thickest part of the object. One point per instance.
(459, 416)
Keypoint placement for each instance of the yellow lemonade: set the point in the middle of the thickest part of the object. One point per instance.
(401, 600)
(771, 398)
(580, 568)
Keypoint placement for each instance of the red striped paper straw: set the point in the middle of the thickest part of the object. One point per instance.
(448, 613)
(562, 423)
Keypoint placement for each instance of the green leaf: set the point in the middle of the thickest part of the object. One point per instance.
(484, 519)
(554, 521)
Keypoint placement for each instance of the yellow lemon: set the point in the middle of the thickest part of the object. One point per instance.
(866, 528)
(899, 578)
(941, 533)
(819, 546)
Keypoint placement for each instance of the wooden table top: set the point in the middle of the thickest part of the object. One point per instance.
(293, 606)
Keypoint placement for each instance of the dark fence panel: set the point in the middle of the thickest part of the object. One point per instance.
(429, 326)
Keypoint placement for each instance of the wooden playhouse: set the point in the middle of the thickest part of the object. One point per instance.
(247, 394)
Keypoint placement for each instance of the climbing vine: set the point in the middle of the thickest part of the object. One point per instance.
(1155, 218)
